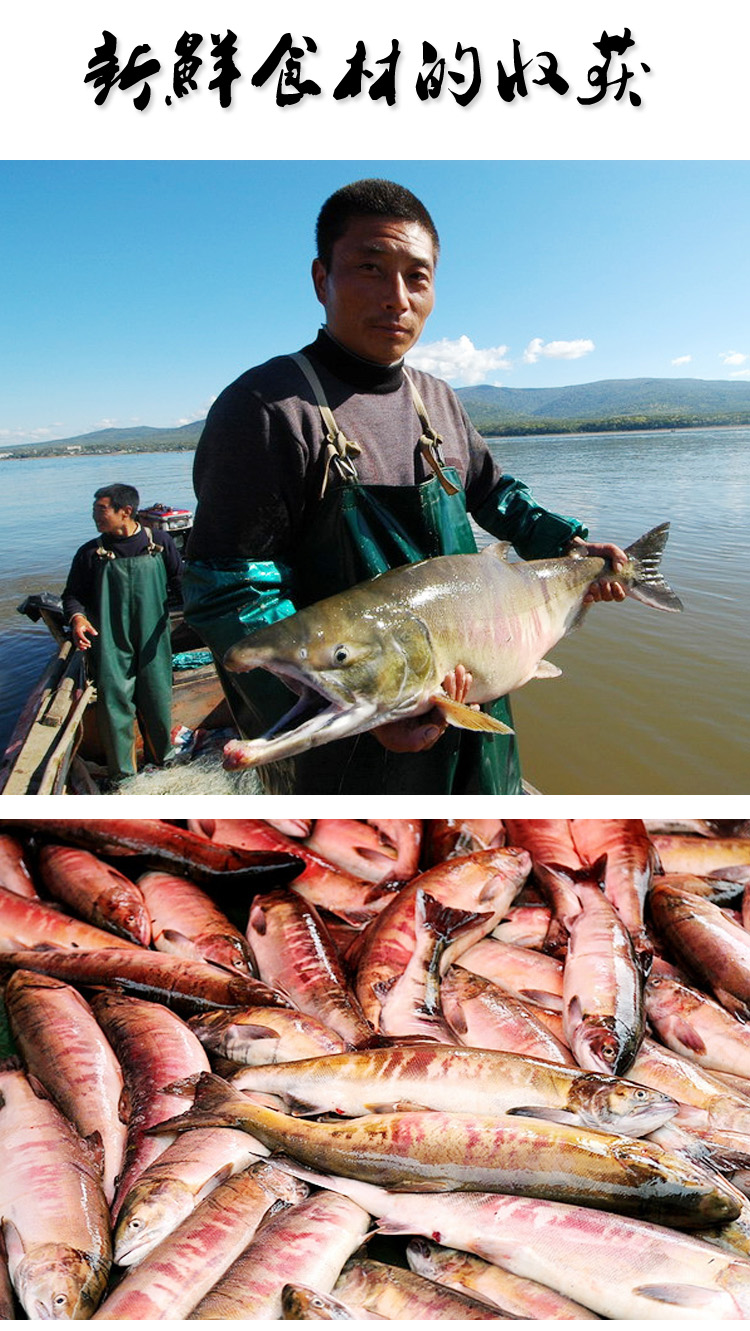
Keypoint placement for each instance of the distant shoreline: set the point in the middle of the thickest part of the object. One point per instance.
(31, 452)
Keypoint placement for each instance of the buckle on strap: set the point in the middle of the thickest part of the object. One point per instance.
(339, 452)
(430, 442)
(430, 446)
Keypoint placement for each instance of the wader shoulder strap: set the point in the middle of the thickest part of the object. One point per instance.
(153, 547)
(340, 451)
(430, 443)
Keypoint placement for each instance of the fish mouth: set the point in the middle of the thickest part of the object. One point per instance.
(314, 719)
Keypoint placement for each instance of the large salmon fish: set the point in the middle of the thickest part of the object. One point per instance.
(380, 651)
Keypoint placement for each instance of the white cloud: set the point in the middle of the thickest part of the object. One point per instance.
(733, 358)
(35, 436)
(200, 413)
(740, 374)
(460, 360)
(682, 360)
(580, 346)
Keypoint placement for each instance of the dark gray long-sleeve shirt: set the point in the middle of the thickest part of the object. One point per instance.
(259, 464)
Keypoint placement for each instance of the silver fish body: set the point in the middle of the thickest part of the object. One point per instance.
(380, 651)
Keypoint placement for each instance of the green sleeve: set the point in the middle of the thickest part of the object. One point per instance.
(227, 599)
(512, 514)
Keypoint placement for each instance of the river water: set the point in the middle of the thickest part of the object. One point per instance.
(648, 703)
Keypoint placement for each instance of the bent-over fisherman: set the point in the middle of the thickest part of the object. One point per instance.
(319, 470)
(116, 601)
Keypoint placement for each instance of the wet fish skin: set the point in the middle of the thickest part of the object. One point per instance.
(380, 651)
(437, 1151)
(15, 874)
(694, 1025)
(185, 985)
(704, 1098)
(619, 1267)
(631, 860)
(484, 1016)
(400, 1295)
(380, 850)
(264, 1035)
(700, 855)
(308, 1243)
(511, 1295)
(29, 923)
(485, 882)
(96, 891)
(446, 837)
(175, 1183)
(300, 1303)
(549, 841)
(603, 1013)
(187, 922)
(410, 1004)
(55, 1222)
(704, 940)
(183, 1268)
(525, 926)
(155, 1049)
(534, 977)
(318, 881)
(296, 955)
(165, 846)
(64, 1048)
(423, 1076)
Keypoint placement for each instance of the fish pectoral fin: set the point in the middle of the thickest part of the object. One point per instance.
(688, 1037)
(95, 1146)
(498, 550)
(291, 1104)
(685, 1296)
(466, 718)
(397, 1107)
(543, 1111)
(546, 670)
(542, 998)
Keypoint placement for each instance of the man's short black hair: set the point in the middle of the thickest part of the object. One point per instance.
(122, 496)
(368, 198)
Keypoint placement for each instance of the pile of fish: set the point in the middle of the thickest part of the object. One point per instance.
(394, 1069)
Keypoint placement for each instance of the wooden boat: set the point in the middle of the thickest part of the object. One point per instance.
(55, 747)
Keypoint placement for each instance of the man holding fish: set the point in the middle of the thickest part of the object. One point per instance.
(320, 470)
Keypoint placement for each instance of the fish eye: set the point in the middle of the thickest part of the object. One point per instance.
(340, 654)
(60, 1300)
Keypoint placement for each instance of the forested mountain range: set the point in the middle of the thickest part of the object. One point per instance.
(607, 404)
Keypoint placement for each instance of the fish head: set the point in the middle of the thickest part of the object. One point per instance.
(151, 1210)
(55, 1282)
(352, 665)
(598, 1046)
(610, 1104)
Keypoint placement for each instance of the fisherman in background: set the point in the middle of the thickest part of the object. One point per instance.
(116, 601)
(319, 470)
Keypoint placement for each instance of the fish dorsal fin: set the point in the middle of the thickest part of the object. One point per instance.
(498, 549)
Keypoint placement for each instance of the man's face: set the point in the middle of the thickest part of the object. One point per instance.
(108, 520)
(379, 288)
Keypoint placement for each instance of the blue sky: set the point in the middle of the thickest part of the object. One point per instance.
(134, 291)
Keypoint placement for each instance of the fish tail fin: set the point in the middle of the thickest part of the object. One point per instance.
(446, 922)
(645, 580)
(215, 1106)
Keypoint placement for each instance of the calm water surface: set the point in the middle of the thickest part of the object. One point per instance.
(648, 703)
